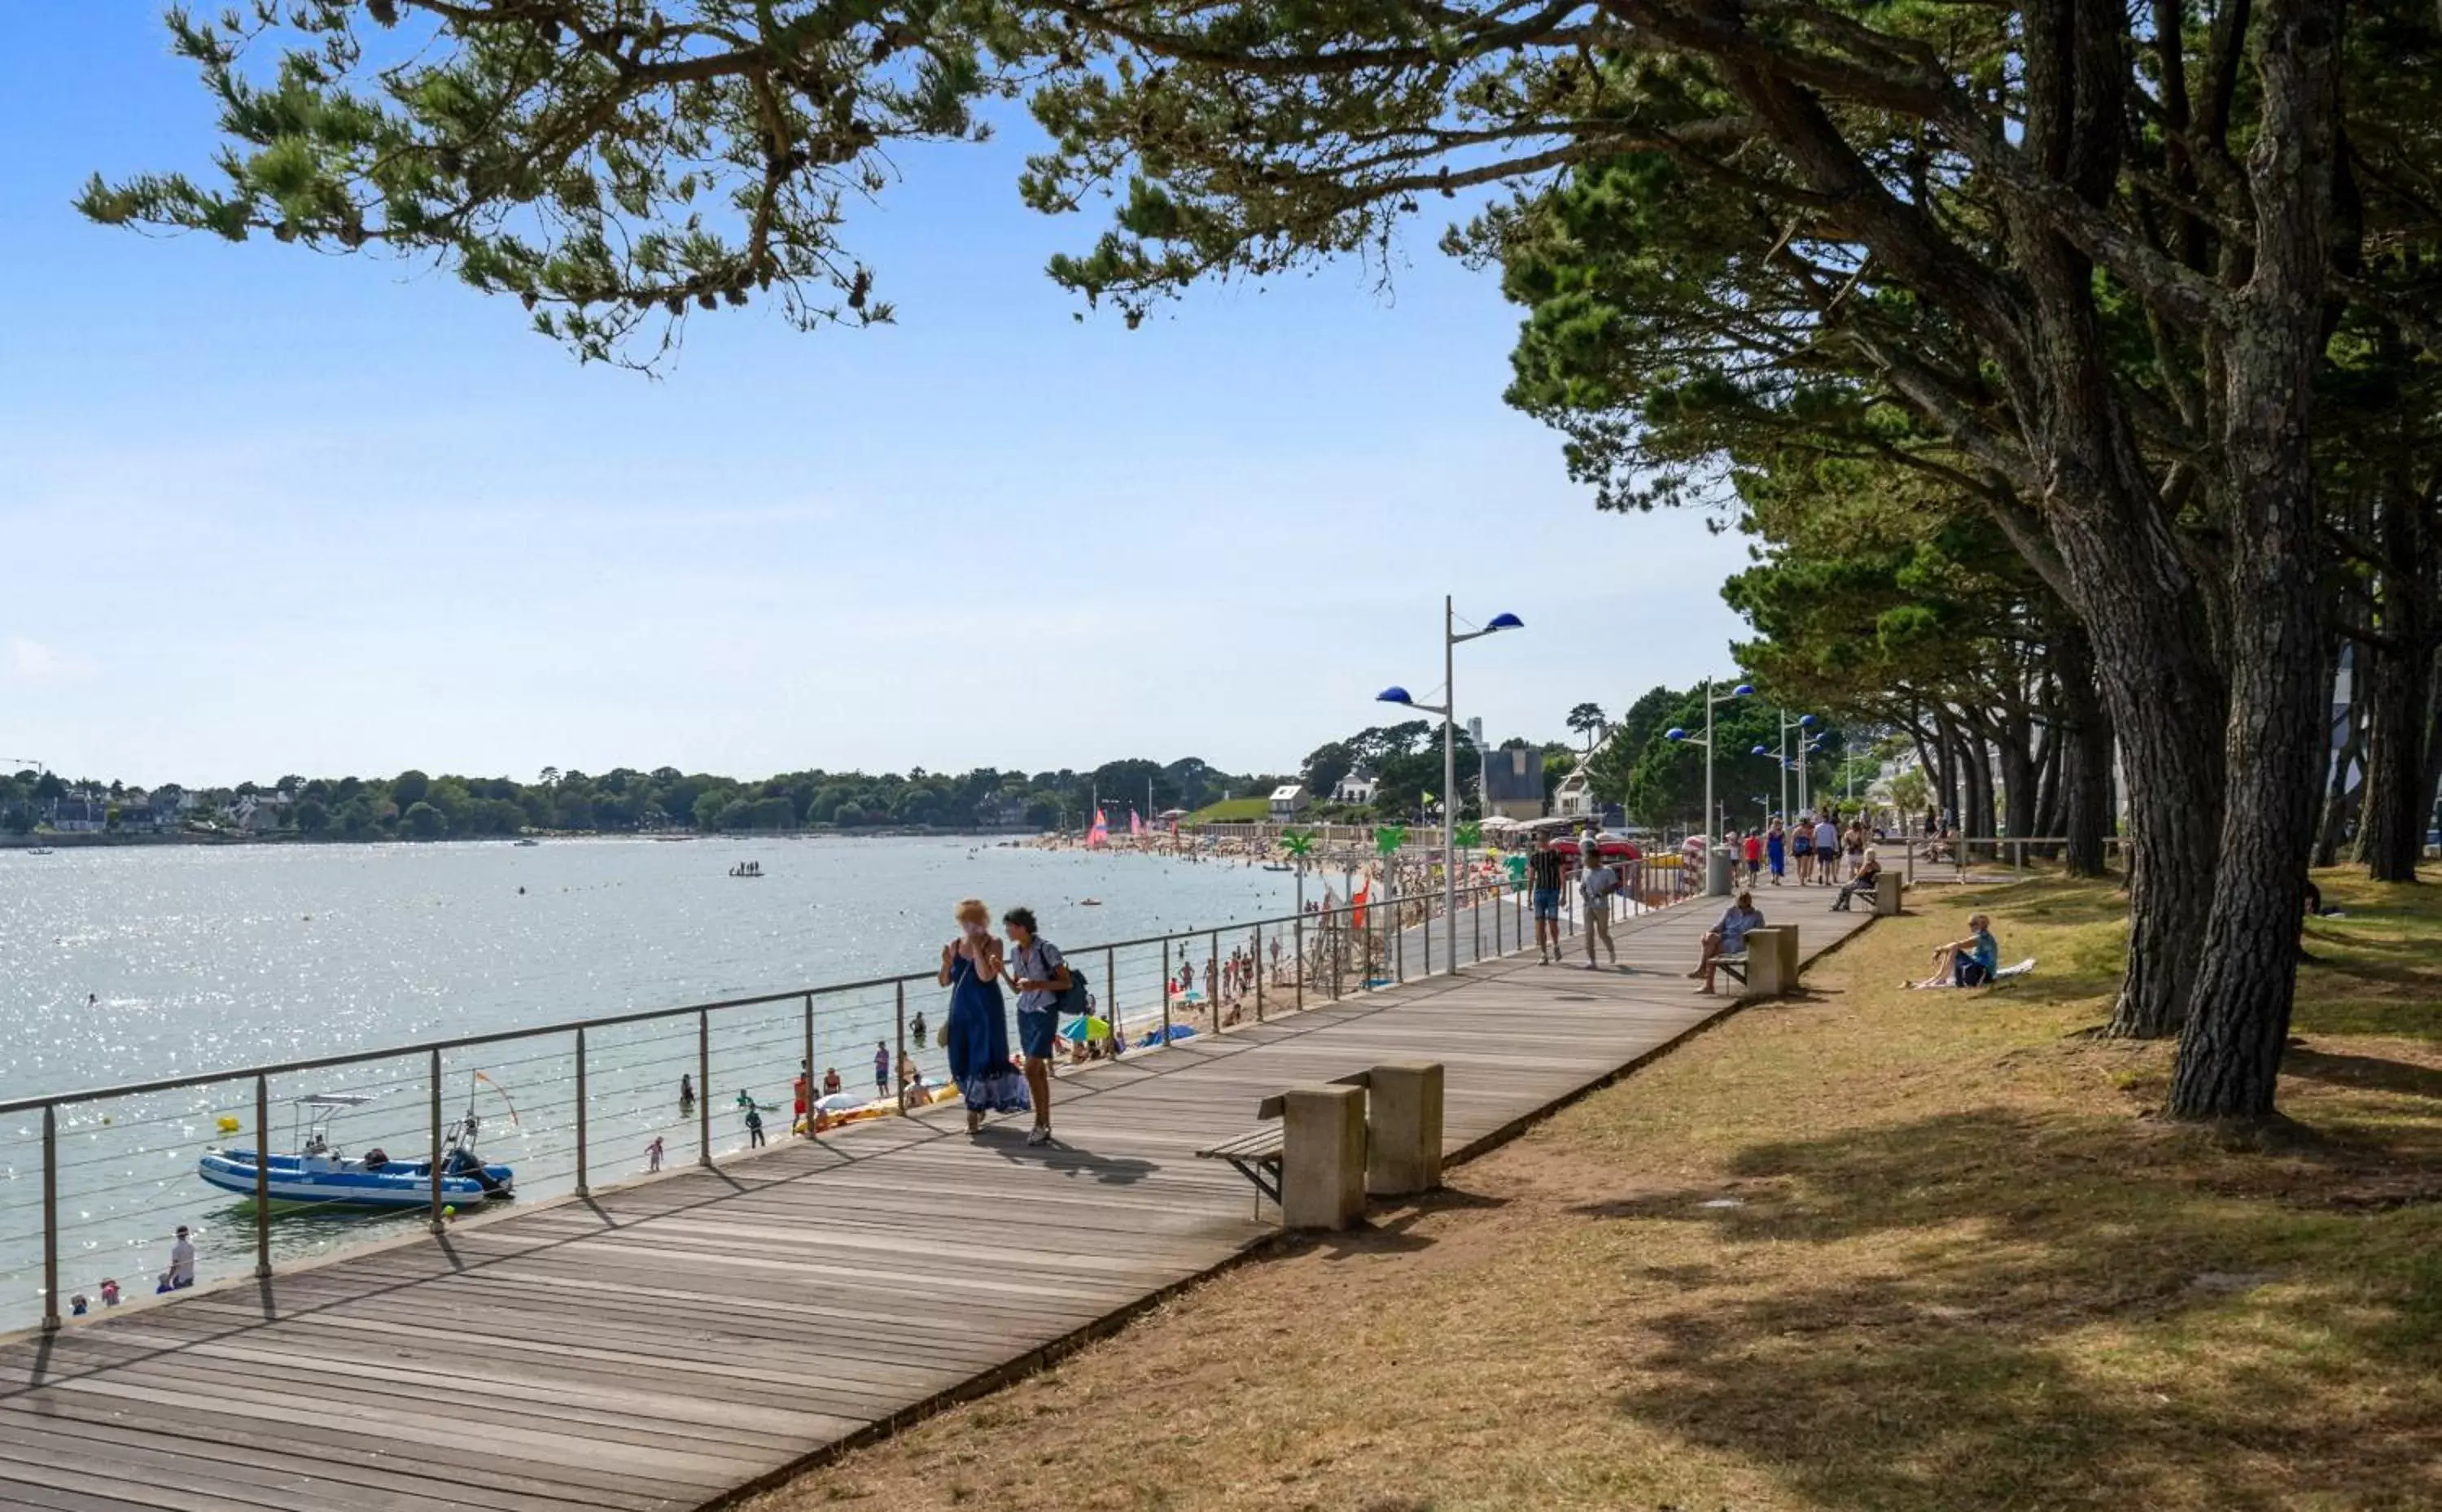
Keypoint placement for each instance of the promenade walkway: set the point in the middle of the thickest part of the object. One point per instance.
(672, 1342)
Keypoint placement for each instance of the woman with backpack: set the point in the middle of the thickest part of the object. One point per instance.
(1041, 977)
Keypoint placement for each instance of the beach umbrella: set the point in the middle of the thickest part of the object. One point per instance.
(1087, 1029)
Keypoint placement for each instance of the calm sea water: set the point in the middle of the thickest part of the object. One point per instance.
(125, 965)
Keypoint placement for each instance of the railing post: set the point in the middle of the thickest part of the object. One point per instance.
(1212, 983)
(1111, 999)
(1398, 941)
(51, 1216)
(1296, 936)
(261, 1177)
(899, 1073)
(433, 1220)
(1499, 906)
(583, 1189)
(703, 1088)
(1338, 946)
(1259, 970)
(1475, 921)
(811, 1083)
(1428, 935)
(1165, 989)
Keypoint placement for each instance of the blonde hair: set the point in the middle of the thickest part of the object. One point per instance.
(973, 908)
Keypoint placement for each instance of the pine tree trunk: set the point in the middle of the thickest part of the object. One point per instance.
(2398, 669)
(2229, 1050)
(2019, 786)
(2047, 790)
(2338, 797)
(2086, 762)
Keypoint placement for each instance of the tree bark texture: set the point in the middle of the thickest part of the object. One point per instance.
(2085, 763)
(2128, 577)
(2340, 799)
(2230, 1048)
(2396, 670)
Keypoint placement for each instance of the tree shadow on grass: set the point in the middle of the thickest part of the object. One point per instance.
(1999, 1310)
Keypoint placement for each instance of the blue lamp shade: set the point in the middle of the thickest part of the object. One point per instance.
(1505, 622)
(1744, 690)
(1763, 750)
(1393, 694)
(1674, 733)
(1806, 718)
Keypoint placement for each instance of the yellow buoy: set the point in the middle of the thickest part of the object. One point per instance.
(227, 1124)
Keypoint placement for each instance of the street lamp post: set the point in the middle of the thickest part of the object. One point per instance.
(1452, 638)
(1712, 820)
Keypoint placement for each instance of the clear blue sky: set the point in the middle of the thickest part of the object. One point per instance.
(271, 512)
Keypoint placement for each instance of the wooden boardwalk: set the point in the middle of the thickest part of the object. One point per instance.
(672, 1342)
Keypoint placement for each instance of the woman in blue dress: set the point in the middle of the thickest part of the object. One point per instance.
(976, 1033)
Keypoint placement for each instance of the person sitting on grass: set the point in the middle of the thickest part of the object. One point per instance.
(1869, 871)
(1728, 937)
(1968, 963)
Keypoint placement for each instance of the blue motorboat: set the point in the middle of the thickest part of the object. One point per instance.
(320, 1174)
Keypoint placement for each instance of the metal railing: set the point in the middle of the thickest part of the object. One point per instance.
(595, 1099)
(1964, 855)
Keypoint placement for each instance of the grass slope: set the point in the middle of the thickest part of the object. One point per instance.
(1865, 1248)
(1233, 810)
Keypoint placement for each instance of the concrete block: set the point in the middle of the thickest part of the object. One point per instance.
(1403, 1129)
(1887, 889)
(1323, 1157)
(1771, 961)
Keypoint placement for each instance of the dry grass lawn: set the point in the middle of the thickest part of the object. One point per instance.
(1866, 1250)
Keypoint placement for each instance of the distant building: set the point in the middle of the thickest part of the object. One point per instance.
(1574, 798)
(1513, 783)
(1356, 789)
(1288, 802)
(80, 816)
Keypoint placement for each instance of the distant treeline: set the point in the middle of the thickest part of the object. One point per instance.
(415, 804)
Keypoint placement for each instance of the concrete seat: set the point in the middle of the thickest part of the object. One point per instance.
(1771, 961)
(1322, 1149)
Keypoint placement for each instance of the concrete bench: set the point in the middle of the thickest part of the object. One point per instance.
(1771, 961)
(1320, 1151)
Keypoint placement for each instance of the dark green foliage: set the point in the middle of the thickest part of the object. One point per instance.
(612, 165)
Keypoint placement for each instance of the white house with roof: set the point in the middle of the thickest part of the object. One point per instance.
(1357, 788)
(1288, 802)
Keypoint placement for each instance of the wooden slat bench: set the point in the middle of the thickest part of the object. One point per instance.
(1257, 1154)
(1734, 966)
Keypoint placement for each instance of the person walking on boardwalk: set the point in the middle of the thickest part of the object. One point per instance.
(1543, 869)
(976, 1033)
(1776, 851)
(1827, 848)
(1597, 882)
(1040, 975)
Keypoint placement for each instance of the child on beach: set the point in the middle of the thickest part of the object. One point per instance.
(653, 1156)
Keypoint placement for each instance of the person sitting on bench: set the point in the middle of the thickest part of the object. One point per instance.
(1868, 870)
(1728, 937)
(1968, 963)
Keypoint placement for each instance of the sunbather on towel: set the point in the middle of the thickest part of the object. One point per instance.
(1967, 962)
